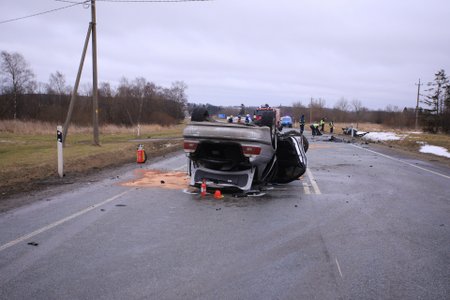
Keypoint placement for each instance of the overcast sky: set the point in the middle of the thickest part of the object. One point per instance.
(230, 52)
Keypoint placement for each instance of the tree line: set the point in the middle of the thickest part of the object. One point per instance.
(133, 102)
(433, 115)
(344, 111)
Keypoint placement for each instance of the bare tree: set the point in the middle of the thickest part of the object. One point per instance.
(57, 84)
(105, 90)
(86, 89)
(357, 108)
(298, 109)
(16, 76)
(178, 90)
(342, 104)
(316, 107)
(341, 109)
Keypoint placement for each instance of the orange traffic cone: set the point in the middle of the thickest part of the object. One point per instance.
(218, 194)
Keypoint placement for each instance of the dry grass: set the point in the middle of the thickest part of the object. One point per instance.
(413, 141)
(28, 150)
(371, 127)
(42, 128)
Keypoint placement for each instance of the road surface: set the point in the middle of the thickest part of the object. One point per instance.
(362, 223)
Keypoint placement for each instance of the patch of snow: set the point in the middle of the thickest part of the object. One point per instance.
(382, 136)
(415, 132)
(436, 150)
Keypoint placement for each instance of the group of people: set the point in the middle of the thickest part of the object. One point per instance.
(317, 128)
(247, 119)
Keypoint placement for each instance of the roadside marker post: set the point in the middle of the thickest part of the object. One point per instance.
(59, 145)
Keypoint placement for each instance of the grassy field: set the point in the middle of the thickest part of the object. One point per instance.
(28, 150)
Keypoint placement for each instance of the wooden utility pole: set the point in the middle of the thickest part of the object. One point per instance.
(417, 105)
(75, 88)
(94, 76)
(91, 30)
(310, 111)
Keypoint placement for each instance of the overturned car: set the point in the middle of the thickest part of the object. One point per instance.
(243, 156)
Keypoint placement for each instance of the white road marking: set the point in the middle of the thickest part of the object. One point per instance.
(338, 266)
(52, 225)
(313, 182)
(306, 188)
(406, 163)
(181, 168)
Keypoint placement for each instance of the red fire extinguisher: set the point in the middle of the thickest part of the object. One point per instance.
(203, 188)
(141, 157)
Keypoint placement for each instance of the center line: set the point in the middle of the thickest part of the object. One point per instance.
(313, 182)
(180, 168)
(306, 188)
(52, 225)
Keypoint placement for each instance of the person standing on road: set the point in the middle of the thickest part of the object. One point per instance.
(302, 124)
(322, 124)
(331, 126)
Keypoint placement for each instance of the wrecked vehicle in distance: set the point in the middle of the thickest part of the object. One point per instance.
(243, 156)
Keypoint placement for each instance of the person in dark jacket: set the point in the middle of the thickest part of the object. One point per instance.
(302, 124)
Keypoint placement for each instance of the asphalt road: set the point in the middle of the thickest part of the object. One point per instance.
(362, 223)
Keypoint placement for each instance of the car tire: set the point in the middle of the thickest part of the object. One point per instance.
(305, 143)
(200, 114)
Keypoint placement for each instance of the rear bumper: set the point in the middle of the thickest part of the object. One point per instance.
(219, 179)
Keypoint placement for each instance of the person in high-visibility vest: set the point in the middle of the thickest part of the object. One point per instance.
(315, 129)
(322, 124)
(331, 126)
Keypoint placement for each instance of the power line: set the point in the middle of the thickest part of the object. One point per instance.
(151, 1)
(73, 3)
(42, 12)
(67, 1)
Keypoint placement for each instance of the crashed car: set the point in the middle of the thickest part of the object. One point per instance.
(242, 156)
(353, 132)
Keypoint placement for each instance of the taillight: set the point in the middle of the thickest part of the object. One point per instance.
(251, 150)
(190, 146)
